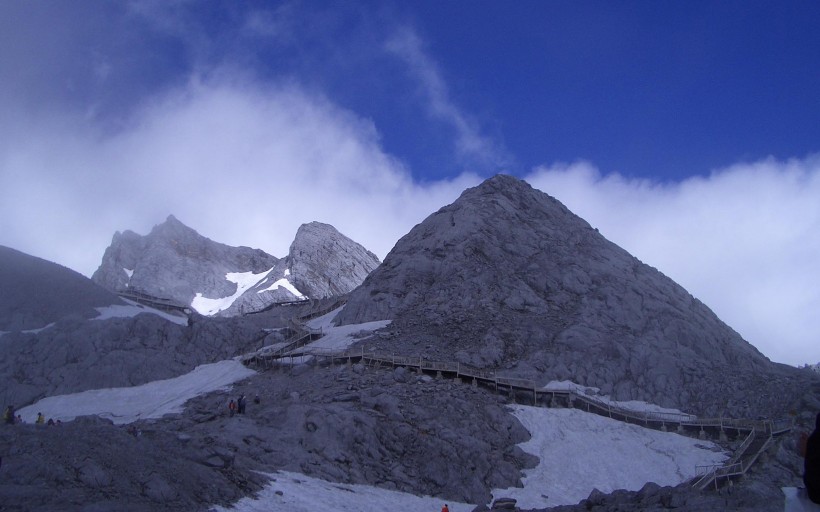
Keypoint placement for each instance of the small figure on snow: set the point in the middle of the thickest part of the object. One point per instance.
(40, 419)
(811, 477)
(240, 404)
(256, 399)
(445, 508)
(232, 408)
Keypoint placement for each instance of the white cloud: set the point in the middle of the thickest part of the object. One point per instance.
(745, 240)
(243, 163)
(472, 146)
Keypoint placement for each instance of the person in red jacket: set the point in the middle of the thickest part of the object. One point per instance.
(232, 408)
(811, 476)
(445, 508)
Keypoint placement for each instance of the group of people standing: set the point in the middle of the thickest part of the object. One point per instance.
(10, 418)
(238, 406)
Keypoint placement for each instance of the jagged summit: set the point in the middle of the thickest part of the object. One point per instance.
(175, 262)
(507, 278)
(324, 262)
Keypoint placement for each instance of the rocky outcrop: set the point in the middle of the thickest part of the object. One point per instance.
(90, 464)
(508, 278)
(175, 262)
(75, 355)
(36, 292)
(324, 262)
(388, 428)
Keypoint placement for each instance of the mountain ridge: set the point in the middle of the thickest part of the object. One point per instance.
(175, 262)
(507, 278)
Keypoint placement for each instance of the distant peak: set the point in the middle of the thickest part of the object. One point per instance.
(504, 181)
(172, 225)
(316, 226)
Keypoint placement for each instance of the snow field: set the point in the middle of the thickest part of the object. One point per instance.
(580, 451)
(148, 401)
(133, 309)
(300, 493)
(243, 281)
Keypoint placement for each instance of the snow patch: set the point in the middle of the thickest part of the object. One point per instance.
(592, 392)
(39, 329)
(133, 309)
(128, 272)
(295, 492)
(581, 451)
(284, 283)
(147, 401)
(243, 281)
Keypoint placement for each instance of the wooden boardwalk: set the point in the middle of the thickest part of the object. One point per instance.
(758, 434)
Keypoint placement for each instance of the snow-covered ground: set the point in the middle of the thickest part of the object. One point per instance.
(134, 309)
(284, 283)
(243, 281)
(578, 451)
(334, 339)
(631, 405)
(300, 493)
(151, 400)
(581, 451)
(340, 338)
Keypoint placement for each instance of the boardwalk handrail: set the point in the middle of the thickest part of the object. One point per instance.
(738, 464)
(490, 377)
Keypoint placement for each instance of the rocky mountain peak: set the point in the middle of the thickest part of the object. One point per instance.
(175, 262)
(507, 278)
(324, 262)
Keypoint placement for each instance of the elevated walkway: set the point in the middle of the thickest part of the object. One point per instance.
(758, 434)
(155, 302)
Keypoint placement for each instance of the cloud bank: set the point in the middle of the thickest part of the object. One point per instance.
(242, 162)
(744, 240)
(113, 125)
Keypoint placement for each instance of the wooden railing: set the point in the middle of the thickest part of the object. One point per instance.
(762, 431)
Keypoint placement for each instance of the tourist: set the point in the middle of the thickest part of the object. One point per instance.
(811, 477)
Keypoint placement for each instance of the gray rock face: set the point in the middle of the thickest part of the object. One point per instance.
(91, 465)
(508, 278)
(175, 262)
(36, 292)
(324, 262)
(341, 424)
(76, 354)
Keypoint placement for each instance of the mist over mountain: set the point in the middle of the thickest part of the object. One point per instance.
(508, 278)
(504, 279)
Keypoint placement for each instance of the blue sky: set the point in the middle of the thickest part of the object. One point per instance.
(687, 132)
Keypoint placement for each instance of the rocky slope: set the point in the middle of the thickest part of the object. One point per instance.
(321, 263)
(508, 278)
(36, 292)
(345, 424)
(324, 262)
(175, 262)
